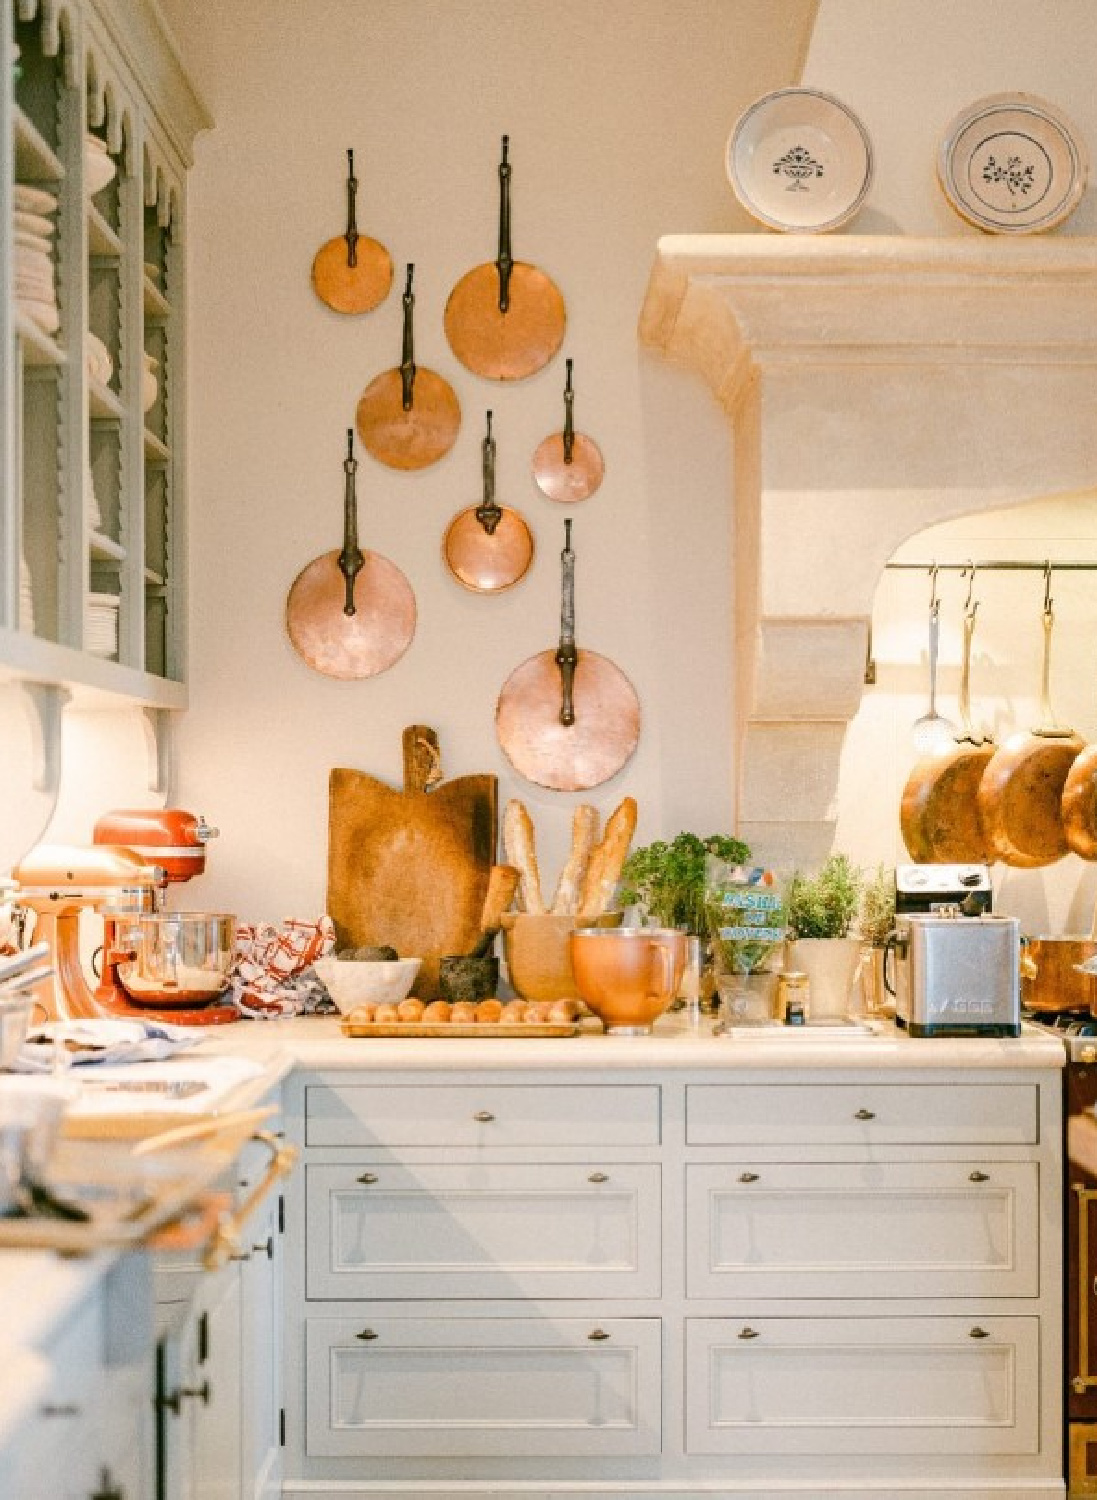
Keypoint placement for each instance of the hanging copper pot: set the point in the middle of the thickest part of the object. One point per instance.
(350, 614)
(488, 547)
(505, 319)
(568, 719)
(352, 273)
(408, 417)
(568, 465)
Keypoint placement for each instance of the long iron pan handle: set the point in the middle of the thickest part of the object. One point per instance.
(569, 414)
(488, 512)
(505, 262)
(407, 358)
(351, 559)
(351, 235)
(567, 656)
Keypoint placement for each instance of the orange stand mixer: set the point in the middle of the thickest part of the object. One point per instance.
(157, 965)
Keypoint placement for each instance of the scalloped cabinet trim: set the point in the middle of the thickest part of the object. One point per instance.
(874, 386)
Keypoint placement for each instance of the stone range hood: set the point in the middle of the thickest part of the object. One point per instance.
(874, 386)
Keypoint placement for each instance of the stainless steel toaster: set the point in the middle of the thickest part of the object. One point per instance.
(956, 975)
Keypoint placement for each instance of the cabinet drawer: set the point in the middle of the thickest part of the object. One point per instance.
(867, 1229)
(479, 1230)
(863, 1385)
(470, 1387)
(850, 1114)
(491, 1115)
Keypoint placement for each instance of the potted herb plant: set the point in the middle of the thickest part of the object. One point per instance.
(821, 909)
(875, 922)
(668, 880)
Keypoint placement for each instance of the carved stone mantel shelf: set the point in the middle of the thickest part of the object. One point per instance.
(875, 386)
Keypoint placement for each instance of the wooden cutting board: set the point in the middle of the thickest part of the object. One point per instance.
(410, 868)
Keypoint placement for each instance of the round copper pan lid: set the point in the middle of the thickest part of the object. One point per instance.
(568, 758)
(357, 288)
(560, 479)
(505, 345)
(485, 563)
(358, 645)
(414, 438)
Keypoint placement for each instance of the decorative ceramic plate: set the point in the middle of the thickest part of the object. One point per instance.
(800, 161)
(1011, 164)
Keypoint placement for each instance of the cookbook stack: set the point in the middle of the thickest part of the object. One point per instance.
(35, 292)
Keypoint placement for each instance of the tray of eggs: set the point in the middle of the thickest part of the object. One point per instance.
(475, 1018)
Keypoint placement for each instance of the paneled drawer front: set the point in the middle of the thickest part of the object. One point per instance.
(470, 1387)
(483, 1230)
(494, 1115)
(872, 1229)
(863, 1385)
(850, 1114)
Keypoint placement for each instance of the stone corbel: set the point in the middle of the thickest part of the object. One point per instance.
(45, 704)
(160, 732)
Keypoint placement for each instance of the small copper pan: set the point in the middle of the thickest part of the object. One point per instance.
(408, 417)
(352, 273)
(505, 319)
(567, 719)
(350, 614)
(488, 547)
(568, 465)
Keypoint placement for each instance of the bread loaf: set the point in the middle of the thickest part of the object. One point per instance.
(520, 846)
(606, 861)
(584, 830)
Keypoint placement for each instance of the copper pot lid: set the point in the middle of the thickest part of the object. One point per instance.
(568, 465)
(568, 719)
(350, 614)
(352, 273)
(488, 547)
(505, 319)
(408, 417)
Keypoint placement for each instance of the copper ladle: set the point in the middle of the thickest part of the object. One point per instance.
(568, 465)
(350, 614)
(352, 273)
(488, 547)
(408, 417)
(505, 319)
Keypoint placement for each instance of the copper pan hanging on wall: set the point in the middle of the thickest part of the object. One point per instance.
(568, 465)
(352, 273)
(350, 614)
(408, 417)
(488, 547)
(505, 319)
(568, 719)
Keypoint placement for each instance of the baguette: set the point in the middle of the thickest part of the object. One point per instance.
(520, 846)
(606, 861)
(584, 828)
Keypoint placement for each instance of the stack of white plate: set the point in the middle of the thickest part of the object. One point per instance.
(99, 165)
(35, 292)
(101, 625)
(91, 501)
(26, 598)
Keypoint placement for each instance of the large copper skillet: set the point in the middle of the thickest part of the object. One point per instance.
(567, 719)
(488, 547)
(352, 273)
(505, 319)
(939, 813)
(1021, 791)
(408, 417)
(350, 614)
(568, 465)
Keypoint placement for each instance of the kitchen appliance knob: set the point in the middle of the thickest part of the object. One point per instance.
(978, 1176)
(748, 1176)
(368, 1177)
(598, 1177)
(484, 1116)
(366, 1335)
(597, 1335)
(865, 1114)
(748, 1333)
(978, 1333)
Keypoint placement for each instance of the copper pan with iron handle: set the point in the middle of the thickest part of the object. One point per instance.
(568, 465)
(352, 273)
(505, 319)
(350, 614)
(1078, 807)
(939, 813)
(567, 719)
(408, 417)
(488, 547)
(1021, 792)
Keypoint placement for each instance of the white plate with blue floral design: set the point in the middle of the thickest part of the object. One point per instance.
(800, 161)
(1012, 164)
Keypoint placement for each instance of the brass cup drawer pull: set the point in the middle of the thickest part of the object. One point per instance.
(598, 1335)
(748, 1176)
(978, 1176)
(598, 1177)
(978, 1333)
(865, 1114)
(748, 1333)
(483, 1116)
(368, 1177)
(366, 1335)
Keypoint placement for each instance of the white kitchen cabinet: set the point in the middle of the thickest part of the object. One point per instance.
(261, 1356)
(92, 481)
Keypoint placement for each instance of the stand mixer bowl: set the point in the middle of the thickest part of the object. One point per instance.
(628, 975)
(176, 958)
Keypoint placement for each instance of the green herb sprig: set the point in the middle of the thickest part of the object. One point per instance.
(668, 880)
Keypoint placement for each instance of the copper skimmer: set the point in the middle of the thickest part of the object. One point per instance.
(488, 547)
(352, 273)
(505, 319)
(408, 417)
(568, 465)
(351, 613)
(567, 719)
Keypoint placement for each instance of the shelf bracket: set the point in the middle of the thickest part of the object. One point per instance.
(160, 726)
(45, 703)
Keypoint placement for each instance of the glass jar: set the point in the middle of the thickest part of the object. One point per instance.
(793, 997)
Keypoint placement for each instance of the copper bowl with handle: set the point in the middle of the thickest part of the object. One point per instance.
(628, 976)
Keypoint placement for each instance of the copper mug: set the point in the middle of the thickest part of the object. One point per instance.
(628, 975)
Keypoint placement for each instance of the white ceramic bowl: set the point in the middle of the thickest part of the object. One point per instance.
(351, 981)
